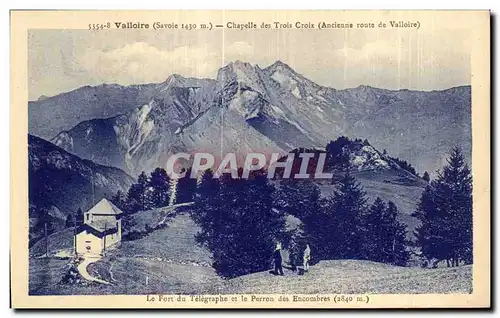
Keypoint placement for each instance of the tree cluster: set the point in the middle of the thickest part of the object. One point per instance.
(241, 220)
(404, 165)
(445, 210)
(147, 193)
(337, 154)
(343, 226)
(238, 222)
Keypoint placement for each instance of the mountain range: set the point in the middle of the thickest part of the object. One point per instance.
(248, 108)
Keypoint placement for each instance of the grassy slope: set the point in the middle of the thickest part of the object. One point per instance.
(356, 277)
(169, 257)
(174, 264)
(155, 217)
(45, 274)
(61, 240)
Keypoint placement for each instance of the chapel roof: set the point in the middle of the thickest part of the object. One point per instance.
(104, 207)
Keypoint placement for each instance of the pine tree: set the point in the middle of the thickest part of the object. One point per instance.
(208, 211)
(320, 230)
(302, 199)
(335, 231)
(455, 195)
(206, 202)
(445, 210)
(259, 225)
(128, 223)
(299, 198)
(403, 164)
(79, 217)
(429, 234)
(217, 214)
(336, 156)
(186, 188)
(119, 200)
(397, 234)
(349, 205)
(373, 232)
(46, 220)
(69, 221)
(426, 177)
(158, 186)
(138, 196)
(238, 222)
(384, 238)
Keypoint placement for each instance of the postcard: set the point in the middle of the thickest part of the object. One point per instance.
(250, 159)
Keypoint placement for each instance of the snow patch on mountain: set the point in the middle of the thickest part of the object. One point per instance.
(133, 131)
(241, 100)
(296, 92)
(88, 132)
(287, 83)
(143, 113)
(367, 158)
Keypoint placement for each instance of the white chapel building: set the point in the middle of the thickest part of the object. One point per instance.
(101, 229)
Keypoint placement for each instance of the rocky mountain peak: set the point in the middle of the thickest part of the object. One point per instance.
(290, 80)
(175, 79)
(280, 66)
(238, 70)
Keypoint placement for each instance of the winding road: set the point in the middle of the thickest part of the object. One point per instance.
(89, 259)
(82, 269)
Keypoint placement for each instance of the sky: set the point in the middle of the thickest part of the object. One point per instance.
(63, 60)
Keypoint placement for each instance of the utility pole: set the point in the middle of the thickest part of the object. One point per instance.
(74, 234)
(394, 250)
(46, 240)
(104, 249)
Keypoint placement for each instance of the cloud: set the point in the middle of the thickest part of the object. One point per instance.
(141, 62)
(405, 62)
(238, 51)
(369, 53)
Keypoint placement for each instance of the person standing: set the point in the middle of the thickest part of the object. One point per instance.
(278, 269)
(307, 257)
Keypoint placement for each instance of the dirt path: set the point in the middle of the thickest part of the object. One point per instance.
(82, 269)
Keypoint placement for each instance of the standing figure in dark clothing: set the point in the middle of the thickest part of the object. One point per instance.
(278, 269)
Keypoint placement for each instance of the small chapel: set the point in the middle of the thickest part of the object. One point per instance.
(101, 229)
